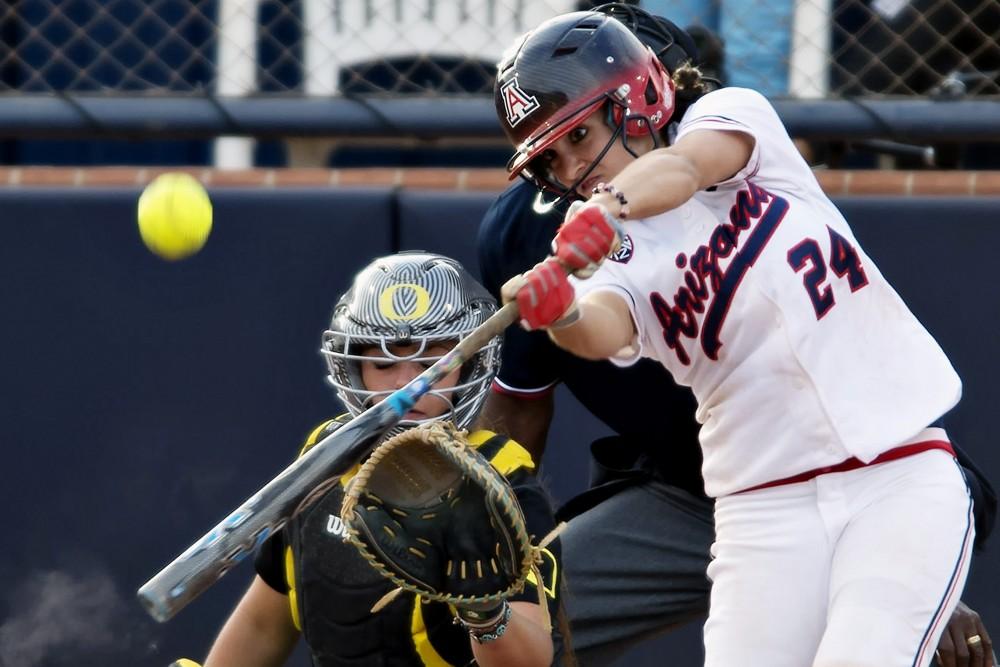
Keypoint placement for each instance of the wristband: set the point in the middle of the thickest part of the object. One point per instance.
(617, 194)
(489, 630)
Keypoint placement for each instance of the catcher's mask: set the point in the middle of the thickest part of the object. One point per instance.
(617, 58)
(411, 298)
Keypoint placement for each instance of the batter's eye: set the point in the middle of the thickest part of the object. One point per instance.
(577, 134)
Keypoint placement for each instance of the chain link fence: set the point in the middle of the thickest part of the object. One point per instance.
(784, 48)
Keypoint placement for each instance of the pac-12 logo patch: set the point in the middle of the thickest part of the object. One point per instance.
(517, 103)
(624, 252)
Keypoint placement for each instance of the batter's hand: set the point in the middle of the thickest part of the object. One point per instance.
(544, 295)
(587, 235)
(955, 650)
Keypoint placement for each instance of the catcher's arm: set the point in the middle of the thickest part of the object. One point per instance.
(259, 633)
(525, 643)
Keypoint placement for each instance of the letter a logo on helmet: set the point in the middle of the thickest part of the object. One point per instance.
(516, 102)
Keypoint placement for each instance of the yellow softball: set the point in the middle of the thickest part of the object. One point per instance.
(175, 216)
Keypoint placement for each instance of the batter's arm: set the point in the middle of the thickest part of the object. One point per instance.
(523, 419)
(665, 178)
(603, 330)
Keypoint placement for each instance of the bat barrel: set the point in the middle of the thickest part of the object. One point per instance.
(188, 575)
(264, 513)
(261, 515)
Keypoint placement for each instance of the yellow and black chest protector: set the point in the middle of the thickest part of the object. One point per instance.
(332, 590)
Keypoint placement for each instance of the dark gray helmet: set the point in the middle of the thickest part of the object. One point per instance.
(411, 298)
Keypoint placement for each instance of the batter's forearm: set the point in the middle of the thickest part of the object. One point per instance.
(603, 329)
(656, 182)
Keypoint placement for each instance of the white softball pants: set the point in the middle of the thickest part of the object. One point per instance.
(850, 569)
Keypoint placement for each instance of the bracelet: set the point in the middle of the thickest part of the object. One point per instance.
(490, 630)
(617, 194)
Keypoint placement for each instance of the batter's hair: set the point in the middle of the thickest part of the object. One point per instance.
(675, 48)
(690, 86)
(688, 78)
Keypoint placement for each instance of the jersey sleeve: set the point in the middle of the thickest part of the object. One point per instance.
(527, 367)
(735, 110)
(270, 562)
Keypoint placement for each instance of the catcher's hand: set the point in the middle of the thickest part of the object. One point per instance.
(431, 514)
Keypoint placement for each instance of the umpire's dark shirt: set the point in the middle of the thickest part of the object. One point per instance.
(641, 403)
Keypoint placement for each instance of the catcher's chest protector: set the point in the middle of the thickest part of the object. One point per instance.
(336, 589)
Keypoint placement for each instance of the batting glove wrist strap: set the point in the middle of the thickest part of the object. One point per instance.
(588, 235)
(545, 295)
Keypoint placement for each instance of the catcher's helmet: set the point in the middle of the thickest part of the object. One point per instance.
(569, 66)
(411, 298)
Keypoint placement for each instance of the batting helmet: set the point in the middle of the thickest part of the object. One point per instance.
(569, 67)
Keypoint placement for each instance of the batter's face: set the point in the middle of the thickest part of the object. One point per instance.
(386, 375)
(568, 158)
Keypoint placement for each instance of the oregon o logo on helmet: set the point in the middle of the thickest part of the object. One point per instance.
(388, 308)
(517, 103)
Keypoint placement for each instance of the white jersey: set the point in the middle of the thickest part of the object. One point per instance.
(758, 296)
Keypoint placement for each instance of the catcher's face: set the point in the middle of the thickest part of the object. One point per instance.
(384, 374)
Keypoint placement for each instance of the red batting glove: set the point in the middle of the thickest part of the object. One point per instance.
(585, 238)
(545, 295)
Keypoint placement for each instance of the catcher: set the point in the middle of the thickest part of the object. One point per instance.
(446, 549)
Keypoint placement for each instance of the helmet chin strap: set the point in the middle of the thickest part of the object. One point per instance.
(542, 207)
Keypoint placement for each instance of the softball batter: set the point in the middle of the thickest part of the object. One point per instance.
(843, 524)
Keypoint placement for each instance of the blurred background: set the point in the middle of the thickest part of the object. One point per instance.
(242, 83)
(142, 400)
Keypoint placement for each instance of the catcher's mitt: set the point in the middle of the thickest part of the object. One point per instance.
(431, 514)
